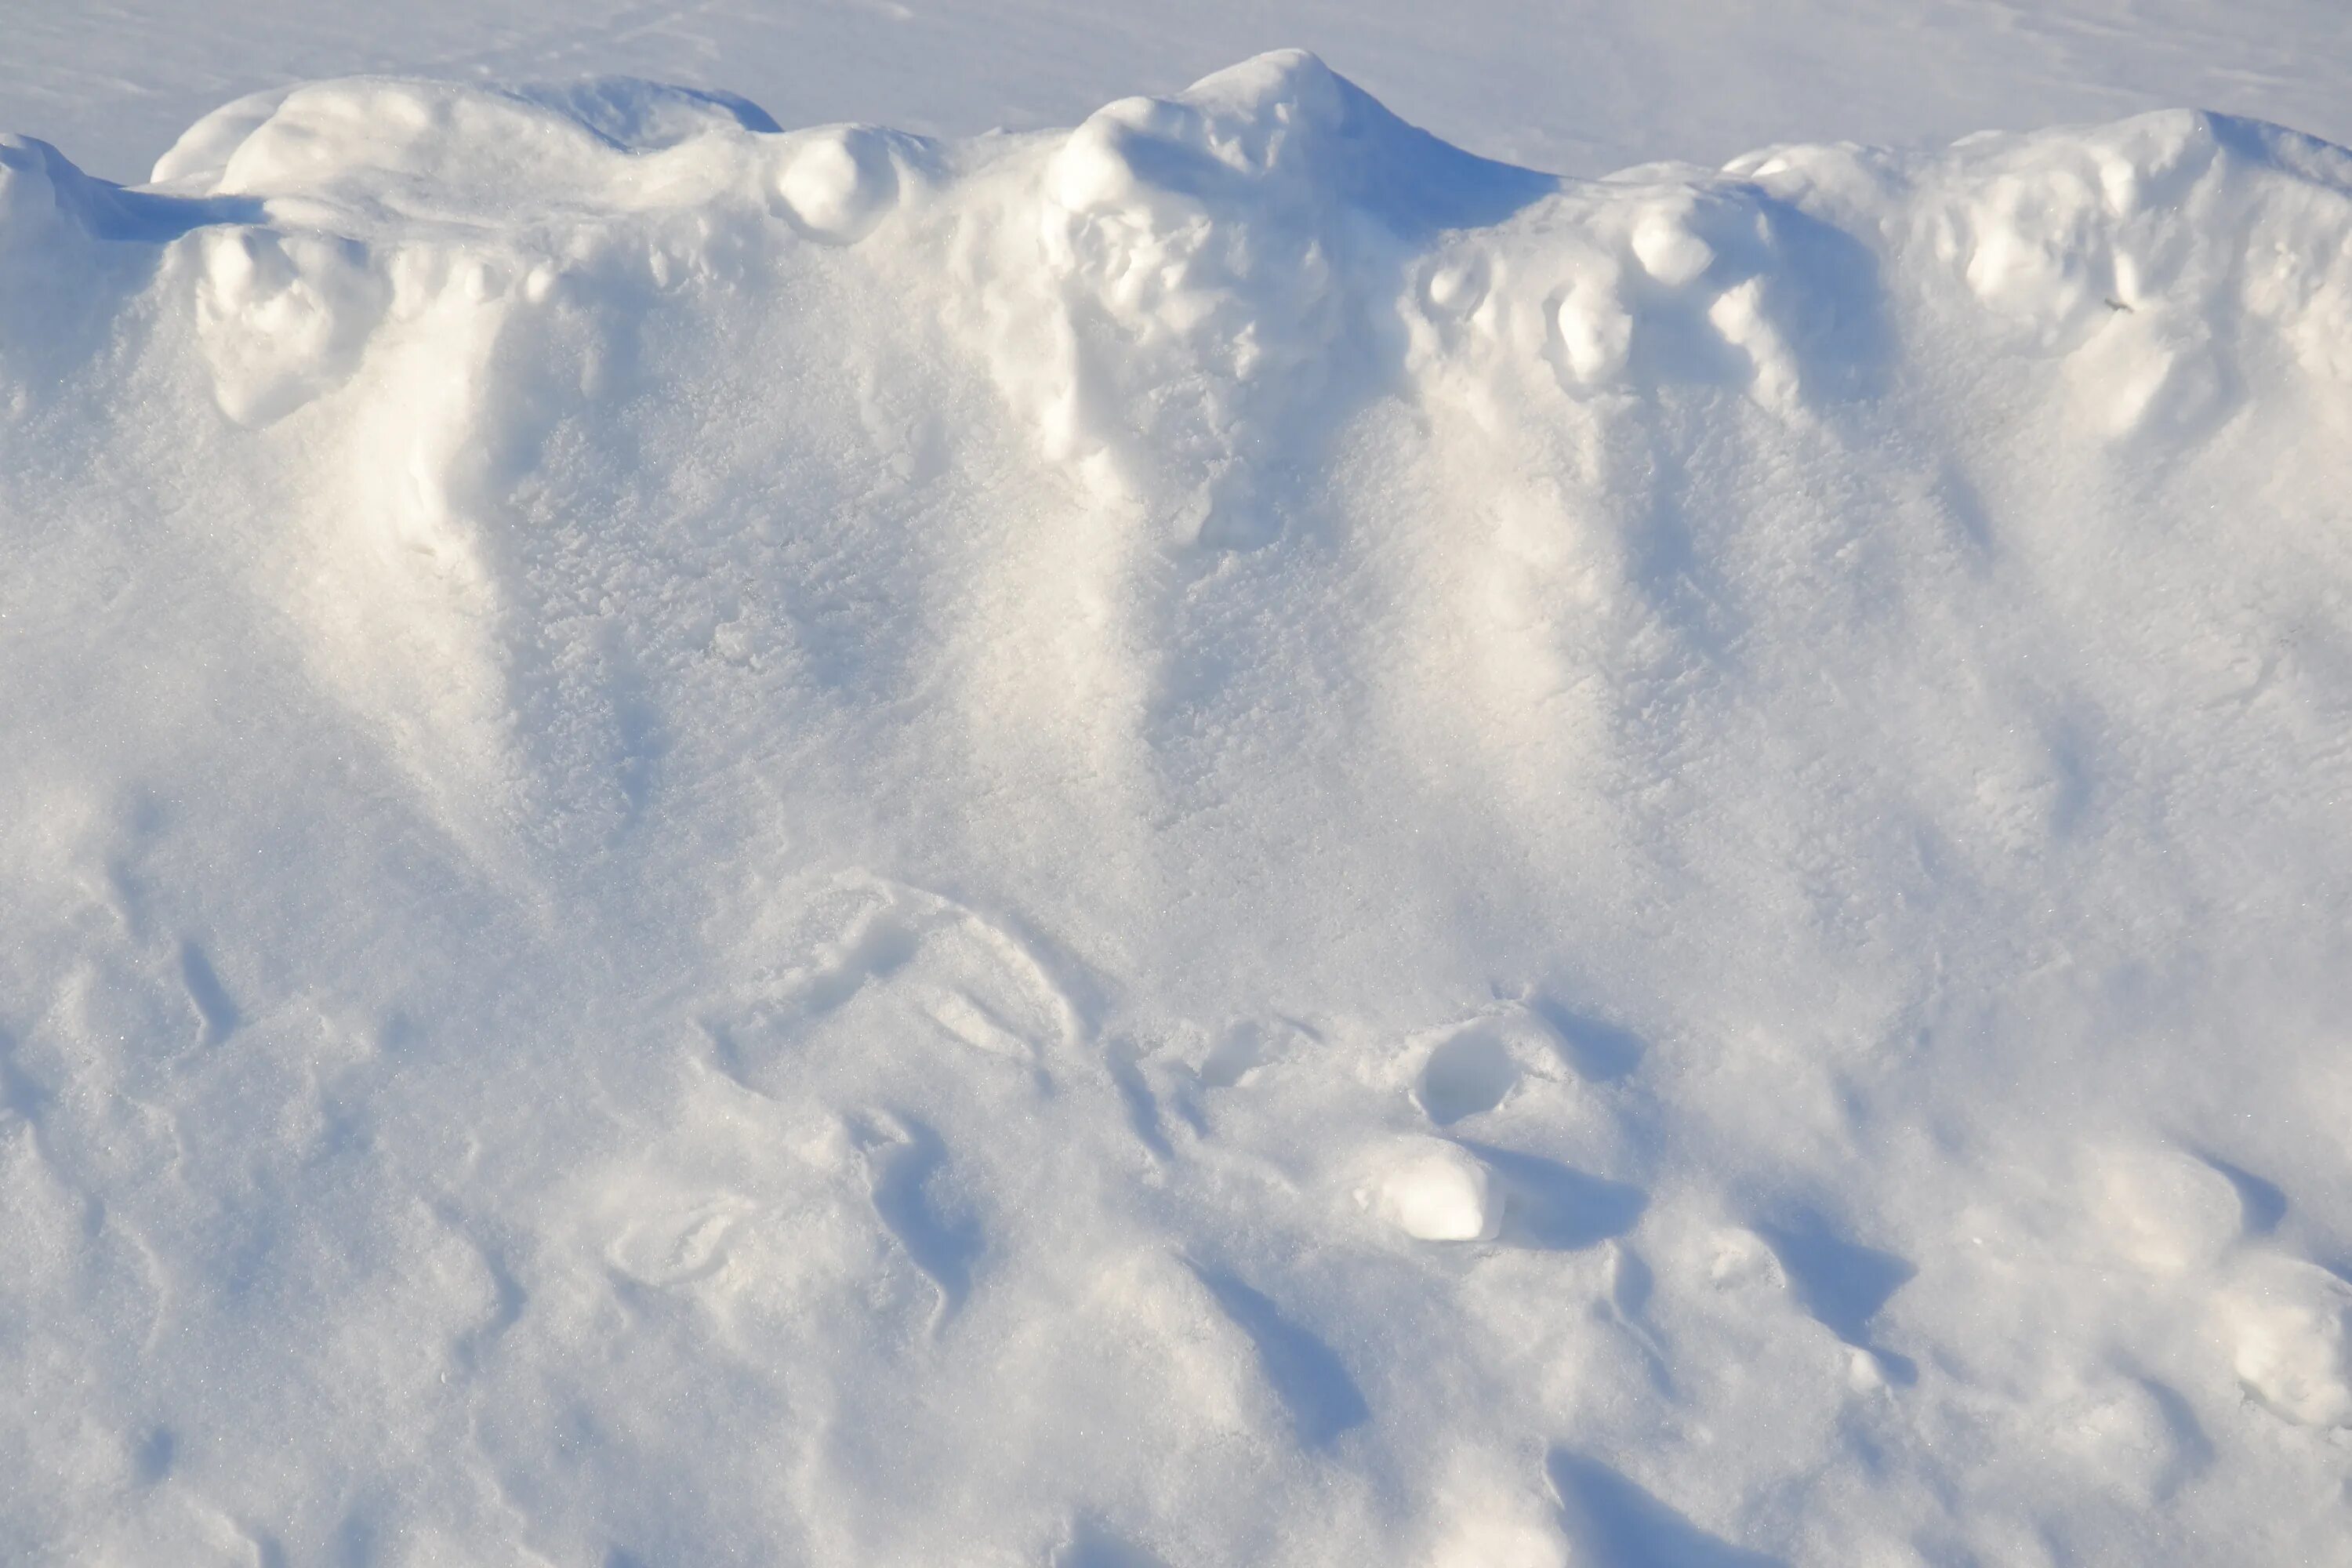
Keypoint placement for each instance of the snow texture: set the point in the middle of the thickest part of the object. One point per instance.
(1223, 839)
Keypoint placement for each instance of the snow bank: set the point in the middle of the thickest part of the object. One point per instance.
(1227, 839)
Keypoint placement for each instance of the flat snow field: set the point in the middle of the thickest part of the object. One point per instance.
(1238, 836)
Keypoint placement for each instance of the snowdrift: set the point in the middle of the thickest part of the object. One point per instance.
(1228, 838)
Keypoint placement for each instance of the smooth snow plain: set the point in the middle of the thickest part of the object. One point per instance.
(1223, 839)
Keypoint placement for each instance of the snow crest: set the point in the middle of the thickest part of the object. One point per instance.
(1226, 837)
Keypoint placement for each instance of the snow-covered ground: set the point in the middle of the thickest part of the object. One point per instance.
(1224, 838)
(1578, 87)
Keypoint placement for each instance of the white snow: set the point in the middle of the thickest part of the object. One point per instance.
(1221, 838)
(1435, 1191)
(1584, 86)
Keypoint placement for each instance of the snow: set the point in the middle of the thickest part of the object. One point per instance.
(1226, 837)
(1436, 1190)
(1584, 86)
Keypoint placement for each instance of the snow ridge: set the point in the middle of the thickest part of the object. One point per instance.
(1225, 837)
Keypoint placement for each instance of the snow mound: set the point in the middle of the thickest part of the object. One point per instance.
(1223, 839)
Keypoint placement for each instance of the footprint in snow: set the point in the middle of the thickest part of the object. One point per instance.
(1615, 1523)
(906, 1169)
(1306, 1375)
(1842, 1285)
(2260, 1204)
(2288, 1324)
(1236, 1059)
(216, 1014)
(1247, 1047)
(1087, 1544)
(907, 964)
(1469, 1071)
(680, 1245)
(1470, 1067)
(1595, 1049)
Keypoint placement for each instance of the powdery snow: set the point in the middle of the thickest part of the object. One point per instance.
(1581, 86)
(1225, 838)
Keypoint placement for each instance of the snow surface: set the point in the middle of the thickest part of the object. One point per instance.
(1584, 86)
(1225, 838)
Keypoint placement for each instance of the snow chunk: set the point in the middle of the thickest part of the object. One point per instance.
(1434, 1190)
(837, 183)
(1596, 329)
(1669, 251)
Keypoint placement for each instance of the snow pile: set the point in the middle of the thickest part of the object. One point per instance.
(1228, 838)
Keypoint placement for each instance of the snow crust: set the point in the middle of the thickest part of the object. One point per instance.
(1225, 838)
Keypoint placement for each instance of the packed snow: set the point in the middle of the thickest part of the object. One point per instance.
(1223, 839)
